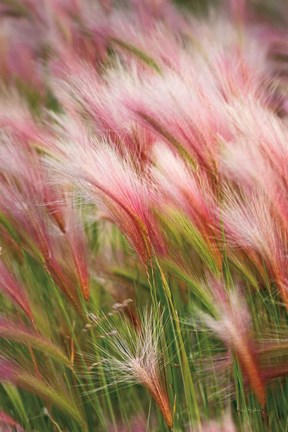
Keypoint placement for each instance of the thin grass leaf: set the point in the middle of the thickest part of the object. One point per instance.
(18, 332)
(11, 372)
(12, 289)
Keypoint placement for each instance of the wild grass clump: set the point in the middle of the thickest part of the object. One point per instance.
(143, 216)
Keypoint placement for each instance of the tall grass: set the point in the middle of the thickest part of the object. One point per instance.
(143, 216)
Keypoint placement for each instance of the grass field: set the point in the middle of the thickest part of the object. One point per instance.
(143, 216)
